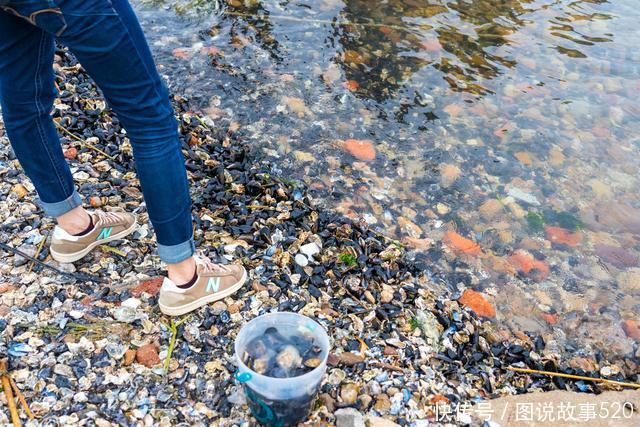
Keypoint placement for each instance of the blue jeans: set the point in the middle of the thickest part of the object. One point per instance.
(107, 39)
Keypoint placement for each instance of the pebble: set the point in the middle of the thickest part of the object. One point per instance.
(360, 149)
(147, 355)
(373, 421)
(302, 260)
(477, 302)
(349, 417)
(523, 196)
(349, 393)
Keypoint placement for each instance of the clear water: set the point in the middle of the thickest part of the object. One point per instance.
(528, 109)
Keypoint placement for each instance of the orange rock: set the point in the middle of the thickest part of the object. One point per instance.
(353, 56)
(210, 51)
(476, 302)
(432, 45)
(129, 356)
(524, 157)
(559, 235)
(147, 355)
(550, 318)
(360, 149)
(95, 202)
(151, 287)
(181, 53)
(6, 287)
(453, 109)
(71, 153)
(438, 398)
(352, 85)
(458, 243)
(385, 30)
(631, 328)
(525, 263)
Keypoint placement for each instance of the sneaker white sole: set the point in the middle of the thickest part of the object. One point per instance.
(75, 256)
(194, 305)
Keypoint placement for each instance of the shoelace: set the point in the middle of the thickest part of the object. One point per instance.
(210, 267)
(108, 218)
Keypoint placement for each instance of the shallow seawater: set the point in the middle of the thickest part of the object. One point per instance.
(514, 124)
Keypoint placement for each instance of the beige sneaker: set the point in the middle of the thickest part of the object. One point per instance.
(107, 226)
(214, 282)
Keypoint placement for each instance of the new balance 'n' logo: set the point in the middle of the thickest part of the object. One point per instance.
(105, 233)
(213, 284)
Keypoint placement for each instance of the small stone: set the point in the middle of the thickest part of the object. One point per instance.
(476, 302)
(350, 359)
(304, 156)
(389, 351)
(442, 209)
(629, 281)
(559, 235)
(310, 249)
(460, 244)
(491, 208)
(380, 422)
(20, 191)
(147, 355)
(95, 202)
(289, 358)
(71, 153)
(129, 357)
(631, 328)
(302, 260)
(583, 363)
(365, 401)
(524, 157)
(386, 296)
(556, 157)
(260, 365)
(349, 393)
(151, 287)
(601, 190)
(416, 243)
(383, 403)
(449, 174)
(328, 401)
(132, 303)
(6, 287)
(257, 286)
(218, 308)
(349, 417)
(361, 150)
(525, 263)
(523, 196)
(617, 256)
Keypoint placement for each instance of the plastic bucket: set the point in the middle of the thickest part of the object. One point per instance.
(281, 401)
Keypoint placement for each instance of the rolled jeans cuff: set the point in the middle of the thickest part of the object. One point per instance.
(177, 253)
(60, 208)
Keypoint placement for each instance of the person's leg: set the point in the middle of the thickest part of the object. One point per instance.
(27, 92)
(107, 40)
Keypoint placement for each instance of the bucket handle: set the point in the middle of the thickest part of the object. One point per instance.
(242, 377)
